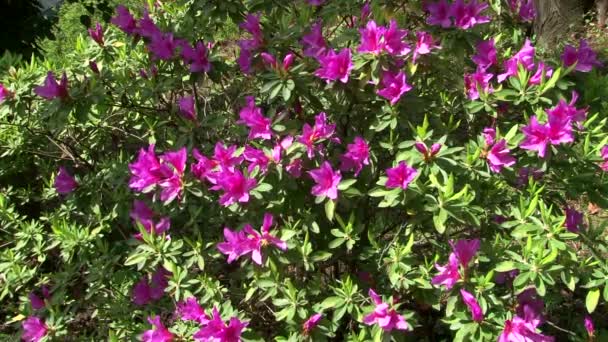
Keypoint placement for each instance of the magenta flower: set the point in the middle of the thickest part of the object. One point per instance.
(478, 81)
(427, 153)
(36, 302)
(124, 20)
(372, 38)
(217, 331)
(574, 219)
(604, 154)
(394, 40)
(245, 57)
(465, 250)
(356, 156)
(252, 25)
(473, 305)
(536, 137)
(190, 310)
(186, 107)
(320, 131)
(64, 182)
(34, 329)
(295, 168)
(174, 165)
(559, 128)
(311, 323)
(158, 333)
(366, 12)
(257, 240)
(316, 2)
(314, 44)
(585, 58)
(394, 86)
(143, 215)
(467, 15)
(519, 330)
(236, 244)
(145, 171)
(486, 54)
(335, 66)
(424, 44)
(93, 67)
(204, 169)
(448, 274)
(525, 173)
(400, 176)
(439, 13)
(162, 46)
(387, 318)
(255, 158)
(524, 57)
(235, 185)
(272, 62)
(51, 89)
(540, 69)
(4, 93)
(589, 326)
(499, 156)
(146, 291)
(252, 117)
(197, 57)
(524, 8)
(97, 34)
(530, 307)
(225, 156)
(327, 181)
(146, 27)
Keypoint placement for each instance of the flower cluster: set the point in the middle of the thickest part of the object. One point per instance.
(461, 14)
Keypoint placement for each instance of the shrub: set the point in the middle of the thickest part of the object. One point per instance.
(332, 170)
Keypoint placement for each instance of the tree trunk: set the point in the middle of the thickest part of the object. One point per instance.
(556, 19)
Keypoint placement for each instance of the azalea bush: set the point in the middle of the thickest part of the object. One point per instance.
(306, 171)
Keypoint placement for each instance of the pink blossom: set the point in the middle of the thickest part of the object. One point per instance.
(574, 219)
(316, 2)
(158, 333)
(252, 25)
(559, 127)
(540, 69)
(245, 57)
(424, 44)
(295, 168)
(439, 13)
(480, 80)
(97, 34)
(604, 154)
(427, 153)
(372, 38)
(327, 181)
(64, 182)
(486, 54)
(467, 15)
(274, 64)
(448, 274)
(366, 11)
(217, 331)
(518, 330)
(4, 93)
(37, 302)
(204, 169)
(394, 40)
(186, 107)
(320, 131)
(387, 318)
(356, 156)
(51, 89)
(257, 240)
(465, 250)
(255, 158)
(145, 171)
(146, 291)
(143, 215)
(235, 185)
(589, 326)
(311, 323)
(530, 306)
(34, 329)
(525, 173)
(499, 156)
(124, 20)
(524, 57)
(489, 135)
(236, 244)
(400, 176)
(524, 8)
(173, 167)
(585, 58)
(314, 44)
(252, 117)
(225, 156)
(335, 66)
(93, 67)
(197, 57)
(190, 310)
(146, 27)
(394, 86)
(162, 46)
(536, 137)
(473, 305)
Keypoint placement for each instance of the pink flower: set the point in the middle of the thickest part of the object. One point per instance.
(235, 185)
(257, 240)
(530, 307)
(316, 2)
(64, 182)
(245, 57)
(158, 333)
(486, 54)
(146, 27)
(467, 15)
(525, 173)
(255, 158)
(143, 215)
(252, 117)
(372, 38)
(524, 8)
(540, 69)
(37, 302)
(424, 44)
(274, 64)
(174, 165)
(585, 58)
(217, 331)
(295, 168)
(162, 46)
(145, 291)
(145, 171)
(225, 156)
(518, 330)
(356, 156)
(427, 154)
(574, 219)
(604, 154)
(236, 244)
(499, 156)
(97, 34)
(394, 40)
(93, 67)
(465, 250)
(448, 274)
(439, 13)
(186, 107)
(311, 323)
(387, 318)
(480, 80)
(320, 131)
(400, 176)
(395, 85)
(489, 135)
(124, 20)
(524, 57)
(327, 181)
(34, 329)
(589, 326)
(252, 25)
(190, 310)
(197, 57)
(536, 137)
(366, 12)
(473, 305)
(335, 66)
(559, 127)
(204, 167)
(4, 93)
(51, 89)
(314, 44)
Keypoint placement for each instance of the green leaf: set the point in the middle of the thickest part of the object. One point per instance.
(345, 184)
(330, 207)
(593, 298)
(505, 266)
(332, 302)
(439, 220)
(263, 187)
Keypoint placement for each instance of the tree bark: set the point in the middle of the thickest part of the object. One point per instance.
(556, 19)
